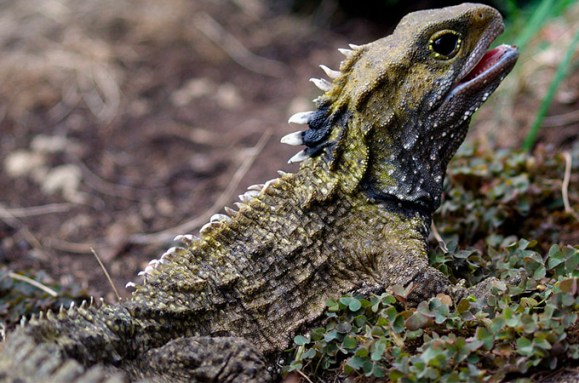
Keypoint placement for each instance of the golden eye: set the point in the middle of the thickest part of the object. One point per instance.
(445, 44)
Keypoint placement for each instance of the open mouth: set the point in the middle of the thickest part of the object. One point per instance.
(495, 62)
(486, 66)
(490, 68)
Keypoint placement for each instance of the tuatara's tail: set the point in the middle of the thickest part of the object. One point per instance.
(68, 346)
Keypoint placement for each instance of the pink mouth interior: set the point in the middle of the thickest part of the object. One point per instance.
(489, 59)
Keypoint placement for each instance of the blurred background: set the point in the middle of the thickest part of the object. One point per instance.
(122, 119)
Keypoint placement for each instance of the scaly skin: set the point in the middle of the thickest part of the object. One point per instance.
(355, 217)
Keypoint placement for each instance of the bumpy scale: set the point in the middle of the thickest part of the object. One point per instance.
(355, 217)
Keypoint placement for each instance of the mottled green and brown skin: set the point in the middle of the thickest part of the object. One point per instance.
(355, 217)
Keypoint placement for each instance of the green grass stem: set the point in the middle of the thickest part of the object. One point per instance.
(560, 74)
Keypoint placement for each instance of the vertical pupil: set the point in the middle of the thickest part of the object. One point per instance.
(445, 44)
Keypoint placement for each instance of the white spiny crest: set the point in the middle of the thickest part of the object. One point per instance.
(186, 239)
(205, 229)
(219, 218)
(268, 184)
(230, 211)
(130, 285)
(183, 238)
(149, 268)
(239, 205)
(322, 84)
(169, 253)
(345, 52)
(256, 187)
(248, 195)
(301, 117)
(293, 139)
(333, 74)
(300, 156)
(83, 304)
(354, 46)
(282, 173)
(49, 315)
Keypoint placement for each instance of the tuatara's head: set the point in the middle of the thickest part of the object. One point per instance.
(398, 108)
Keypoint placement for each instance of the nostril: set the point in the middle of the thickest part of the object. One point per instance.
(480, 15)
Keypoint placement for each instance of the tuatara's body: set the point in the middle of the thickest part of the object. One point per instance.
(355, 217)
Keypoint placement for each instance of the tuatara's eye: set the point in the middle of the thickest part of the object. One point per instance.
(445, 44)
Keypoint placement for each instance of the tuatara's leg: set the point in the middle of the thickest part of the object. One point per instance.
(205, 359)
(412, 270)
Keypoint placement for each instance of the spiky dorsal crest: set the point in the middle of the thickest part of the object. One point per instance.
(334, 135)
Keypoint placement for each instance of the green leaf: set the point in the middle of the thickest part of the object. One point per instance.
(398, 324)
(555, 257)
(331, 335)
(524, 346)
(354, 305)
(295, 366)
(463, 306)
(570, 286)
(378, 349)
(333, 306)
(344, 327)
(417, 321)
(485, 336)
(349, 342)
(362, 352)
(309, 354)
(318, 333)
(356, 362)
(377, 371)
(301, 340)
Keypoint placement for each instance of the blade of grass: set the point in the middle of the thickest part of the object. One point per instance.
(535, 23)
(560, 74)
(524, 23)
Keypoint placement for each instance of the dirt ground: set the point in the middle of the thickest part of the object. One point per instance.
(123, 120)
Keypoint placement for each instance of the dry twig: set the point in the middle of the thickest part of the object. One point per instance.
(438, 237)
(565, 185)
(561, 120)
(15, 223)
(69, 247)
(304, 376)
(235, 49)
(33, 211)
(107, 275)
(106, 187)
(34, 283)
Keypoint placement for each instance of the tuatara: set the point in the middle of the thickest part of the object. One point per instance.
(354, 217)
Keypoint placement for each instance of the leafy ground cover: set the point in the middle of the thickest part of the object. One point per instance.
(506, 215)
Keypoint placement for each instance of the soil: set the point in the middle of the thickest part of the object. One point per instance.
(121, 120)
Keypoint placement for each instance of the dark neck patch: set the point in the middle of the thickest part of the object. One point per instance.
(408, 208)
(320, 127)
(321, 124)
